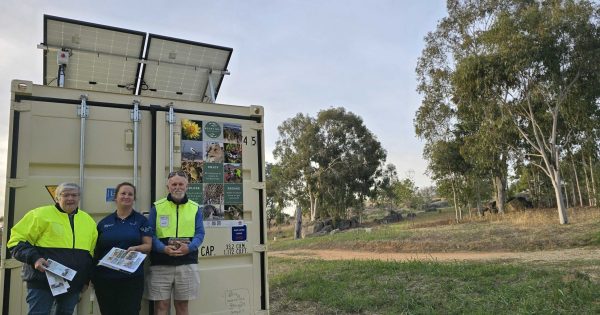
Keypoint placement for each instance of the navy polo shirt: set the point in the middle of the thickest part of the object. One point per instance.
(115, 232)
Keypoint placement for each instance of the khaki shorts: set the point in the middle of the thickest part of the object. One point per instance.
(183, 280)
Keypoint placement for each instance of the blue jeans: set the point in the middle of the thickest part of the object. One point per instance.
(41, 302)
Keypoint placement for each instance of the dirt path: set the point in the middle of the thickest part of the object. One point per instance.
(548, 256)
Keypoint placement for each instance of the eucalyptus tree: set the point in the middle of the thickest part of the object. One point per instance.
(385, 194)
(534, 62)
(277, 198)
(444, 113)
(296, 146)
(330, 162)
(349, 162)
(543, 65)
(448, 168)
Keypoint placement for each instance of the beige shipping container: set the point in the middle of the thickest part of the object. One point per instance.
(99, 139)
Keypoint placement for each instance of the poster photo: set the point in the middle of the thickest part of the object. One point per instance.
(212, 157)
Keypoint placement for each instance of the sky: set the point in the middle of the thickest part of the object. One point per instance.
(289, 56)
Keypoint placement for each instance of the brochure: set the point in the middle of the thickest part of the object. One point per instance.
(60, 270)
(122, 260)
(57, 284)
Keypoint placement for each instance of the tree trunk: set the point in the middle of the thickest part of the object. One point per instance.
(564, 186)
(595, 196)
(573, 195)
(298, 226)
(500, 193)
(577, 182)
(587, 182)
(560, 204)
(479, 208)
(314, 199)
(455, 203)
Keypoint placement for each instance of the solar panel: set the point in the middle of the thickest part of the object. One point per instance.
(110, 59)
(185, 70)
(100, 57)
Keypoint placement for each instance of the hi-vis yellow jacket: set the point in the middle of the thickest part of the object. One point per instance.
(175, 220)
(50, 233)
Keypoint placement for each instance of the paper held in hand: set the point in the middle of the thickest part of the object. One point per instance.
(57, 284)
(57, 275)
(122, 260)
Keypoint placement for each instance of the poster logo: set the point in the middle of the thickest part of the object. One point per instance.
(212, 129)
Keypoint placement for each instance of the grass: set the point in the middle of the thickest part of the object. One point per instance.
(377, 287)
(312, 286)
(437, 232)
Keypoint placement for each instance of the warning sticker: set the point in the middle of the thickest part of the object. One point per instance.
(52, 191)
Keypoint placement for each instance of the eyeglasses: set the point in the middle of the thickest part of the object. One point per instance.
(67, 195)
(178, 173)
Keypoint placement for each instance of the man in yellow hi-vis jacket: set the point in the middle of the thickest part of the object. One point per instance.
(60, 232)
(179, 229)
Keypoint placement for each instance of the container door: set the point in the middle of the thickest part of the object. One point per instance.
(45, 145)
(223, 157)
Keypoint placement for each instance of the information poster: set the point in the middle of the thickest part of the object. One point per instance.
(211, 155)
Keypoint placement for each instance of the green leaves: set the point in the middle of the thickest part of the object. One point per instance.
(510, 79)
(329, 163)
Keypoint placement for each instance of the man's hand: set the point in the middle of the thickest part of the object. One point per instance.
(40, 265)
(170, 250)
(183, 248)
(180, 249)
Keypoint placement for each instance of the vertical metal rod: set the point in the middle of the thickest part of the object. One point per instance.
(211, 88)
(171, 122)
(83, 113)
(135, 117)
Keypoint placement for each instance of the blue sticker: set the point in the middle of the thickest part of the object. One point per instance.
(238, 233)
(110, 194)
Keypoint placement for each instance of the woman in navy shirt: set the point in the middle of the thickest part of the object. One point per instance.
(120, 292)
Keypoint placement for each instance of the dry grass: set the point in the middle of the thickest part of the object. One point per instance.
(537, 217)
(537, 229)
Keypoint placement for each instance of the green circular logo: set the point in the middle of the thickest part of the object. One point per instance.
(212, 129)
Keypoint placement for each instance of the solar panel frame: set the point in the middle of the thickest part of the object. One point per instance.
(158, 61)
(105, 54)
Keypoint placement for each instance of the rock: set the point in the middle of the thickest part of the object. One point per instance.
(518, 204)
(392, 217)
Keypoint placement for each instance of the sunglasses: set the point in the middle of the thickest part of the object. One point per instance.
(178, 173)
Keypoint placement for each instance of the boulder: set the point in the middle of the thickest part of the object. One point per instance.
(392, 217)
(518, 204)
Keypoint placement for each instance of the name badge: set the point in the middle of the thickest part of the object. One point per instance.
(164, 221)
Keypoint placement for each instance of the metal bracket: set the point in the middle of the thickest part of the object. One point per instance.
(257, 126)
(136, 115)
(260, 248)
(20, 107)
(16, 182)
(259, 185)
(83, 110)
(211, 89)
(21, 87)
(171, 114)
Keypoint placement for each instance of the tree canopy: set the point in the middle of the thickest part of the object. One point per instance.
(508, 79)
(329, 163)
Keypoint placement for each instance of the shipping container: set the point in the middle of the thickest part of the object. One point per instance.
(99, 134)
